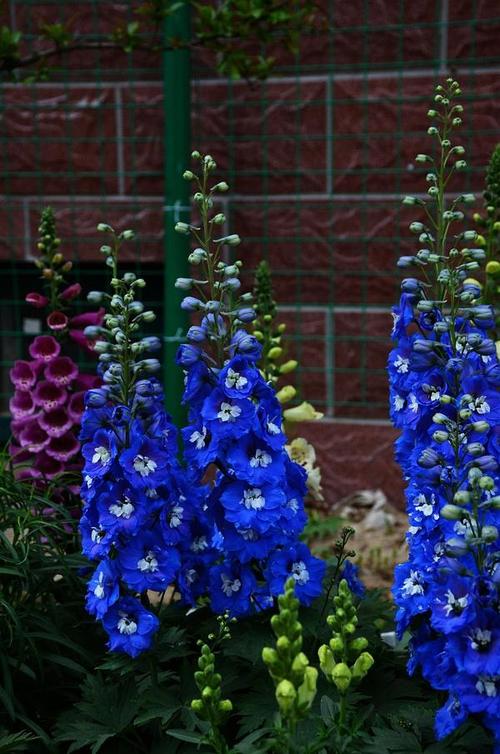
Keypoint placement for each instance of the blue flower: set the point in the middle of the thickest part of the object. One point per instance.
(249, 506)
(238, 378)
(298, 563)
(227, 417)
(146, 563)
(231, 588)
(130, 627)
(103, 589)
(144, 462)
(99, 453)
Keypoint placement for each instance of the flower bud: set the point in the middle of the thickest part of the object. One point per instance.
(286, 394)
(307, 690)
(362, 665)
(341, 676)
(288, 366)
(184, 284)
(285, 696)
(302, 413)
(452, 512)
(182, 228)
(104, 228)
(489, 533)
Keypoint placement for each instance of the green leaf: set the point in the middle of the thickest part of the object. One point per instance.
(184, 735)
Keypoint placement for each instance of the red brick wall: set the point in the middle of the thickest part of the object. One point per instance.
(317, 157)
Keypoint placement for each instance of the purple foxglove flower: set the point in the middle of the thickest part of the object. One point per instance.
(22, 375)
(49, 396)
(36, 299)
(57, 321)
(76, 406)
(44, 348)
(63, 448)
(50, 467)
(55, 423)
(78, 324)
(61, 371)
(71, 292)
(21, 404)
(33, 437)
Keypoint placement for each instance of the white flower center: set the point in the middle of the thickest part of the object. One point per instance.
(300, 572)
(101, 455)
(480, 638)
(97, 534)
(253, 499)
(293, 504)
(398, 402)
(455, 605)
(144, 465)
(190, 575)
(234, 379)
(261, 458)
(480, 405)
(487, 685)
(228, 412)
(199, 544)
(395, 320)
(122, 508)
(424, 506)
(148, 564)
(272, 427)
(412, 585)
(198, 438)
(230, 587)
(126, 625)
(175, 516)
(435, 394)
(249, 535)
(413, 403)
(402, 365)
(88, 480)
(99, 587)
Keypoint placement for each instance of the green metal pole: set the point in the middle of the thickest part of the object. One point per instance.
(177, 145)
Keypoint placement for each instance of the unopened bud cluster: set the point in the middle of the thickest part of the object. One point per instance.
(210, 706)
(344, 660)
(294, 679)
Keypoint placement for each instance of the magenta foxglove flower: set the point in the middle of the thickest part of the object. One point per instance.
(61, 371)
(36, 299)
(21, 404)
(33, 437)
(57, 422)
(57, 321)
(76, 406)
(48, 466)
(22, 375)
(63, 448)
(49, 396)
(71, 292)
(45, 348)
(80, 322)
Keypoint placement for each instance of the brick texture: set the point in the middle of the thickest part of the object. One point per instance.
(316, 156)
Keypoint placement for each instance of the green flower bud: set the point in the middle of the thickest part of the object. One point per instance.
(188, 175)
(342, 676)
(452, 512)
(288, 366)
(307, 690)
(104, 228)
(462, 497)
(225, 706)
(326, 660)
(300, 663)
(489, 533)
(182, 228)
(270, 656)
(362, 665)
(285, 696)
(358, 645)
(336, 644)
(275, 353)
(283, 643)
(197, 705)
(487, 483)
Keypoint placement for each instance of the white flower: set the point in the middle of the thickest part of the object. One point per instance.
(487, 685)
(228, 412)
(480, 638)
(234, 379)
(422, 505)
(144, 465)
(303, 453)
(230, 587)
(199, 544)
(101, 455)
(253, 499)
(300, 572)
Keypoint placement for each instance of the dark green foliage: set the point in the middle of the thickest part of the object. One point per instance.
(236, 31)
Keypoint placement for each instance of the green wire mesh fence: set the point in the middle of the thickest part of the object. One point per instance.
(317, 157)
